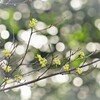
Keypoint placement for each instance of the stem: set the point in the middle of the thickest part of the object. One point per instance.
(25, 53)
(48, 76)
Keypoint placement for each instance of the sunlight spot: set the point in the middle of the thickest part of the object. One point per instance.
(4, 14)
(78, 81)
(83, 93)
(97, 23)
(17, 16)
(2, 27)
(60, 46)
(97, 64)
(60, 79)
(20, 49)
(38, 4)
(9, 45)
(38, 41)
(5, 34)
(91, 47)
(54, 39)
(52, 30)
(25, 93)
(40, 26)
(76, 4)
(84, 68)
(42, 83)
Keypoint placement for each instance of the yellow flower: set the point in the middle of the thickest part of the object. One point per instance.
(81, 54)
(39, 57)
(79, 70)
(56, 61)
(42, 61)
(7, 52)
(33, 22)
(66, 67)
(7, 69)
(7, 80)
(18, 77)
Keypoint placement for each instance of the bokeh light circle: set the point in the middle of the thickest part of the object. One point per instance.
(78, 81)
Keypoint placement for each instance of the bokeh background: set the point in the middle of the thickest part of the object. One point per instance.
(76, 24)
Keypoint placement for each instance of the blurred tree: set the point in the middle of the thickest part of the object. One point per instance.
(63, 26)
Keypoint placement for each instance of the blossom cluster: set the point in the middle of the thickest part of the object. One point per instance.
(42, 61)
(33, 23)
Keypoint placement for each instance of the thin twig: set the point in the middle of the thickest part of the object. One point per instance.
(48, 76)
(25, 52)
